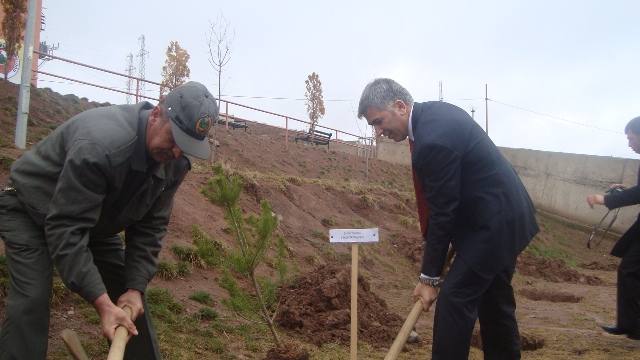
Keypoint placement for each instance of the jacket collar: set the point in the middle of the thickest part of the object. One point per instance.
(141, 161)
(416, 113)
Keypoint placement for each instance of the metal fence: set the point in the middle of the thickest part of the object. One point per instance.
(365, 145)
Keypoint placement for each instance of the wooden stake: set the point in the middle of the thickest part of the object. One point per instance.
(354, 301)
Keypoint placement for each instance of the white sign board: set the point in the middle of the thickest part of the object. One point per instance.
(353, 235)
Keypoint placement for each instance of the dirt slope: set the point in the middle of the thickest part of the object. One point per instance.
(563, 290)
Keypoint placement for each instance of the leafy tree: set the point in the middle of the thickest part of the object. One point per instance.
(12, 25)
(175, 70)
(253, 241)
(315, 103)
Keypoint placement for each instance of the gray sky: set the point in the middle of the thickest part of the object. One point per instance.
(573, 63)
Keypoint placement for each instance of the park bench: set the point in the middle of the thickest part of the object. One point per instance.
(234, 122)
(316, 137)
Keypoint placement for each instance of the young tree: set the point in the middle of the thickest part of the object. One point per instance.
(315, 103)
(219, 41)
(175, 70)
(254, 242)
(12, 26)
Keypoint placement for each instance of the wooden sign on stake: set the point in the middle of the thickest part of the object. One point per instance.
(354, 236)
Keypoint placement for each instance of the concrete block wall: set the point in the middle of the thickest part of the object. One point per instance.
(560, 182)
(557, 182)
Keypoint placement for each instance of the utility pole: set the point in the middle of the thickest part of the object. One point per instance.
(486, 109)
(142, 54)
(130, 68)
(473, 112)
(440, 85)
(25, 80)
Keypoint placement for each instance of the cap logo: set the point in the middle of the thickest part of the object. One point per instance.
(203, 125)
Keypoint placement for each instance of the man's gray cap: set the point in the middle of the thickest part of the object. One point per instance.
(192, 111)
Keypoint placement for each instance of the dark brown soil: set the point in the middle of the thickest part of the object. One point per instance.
(553, 270)
(594, 265)
(549, 295)
(288, 351)
(317, 305)
(528, 342)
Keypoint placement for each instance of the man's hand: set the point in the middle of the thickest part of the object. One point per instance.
(133, 299)
(595, 199)
(426, 294)
(112, 316)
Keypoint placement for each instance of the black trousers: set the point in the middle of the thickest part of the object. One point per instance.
(25, 329)
(628, 304)
(467, 296)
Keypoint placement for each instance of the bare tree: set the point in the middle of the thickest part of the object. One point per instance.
(12, 26)
(219, 41)
(315, 103)
(175, 70)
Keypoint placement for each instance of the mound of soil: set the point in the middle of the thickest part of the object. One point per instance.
(548, 295)
(317, 306)
(594, 265)
(288, 351)
(528, 342)
(553, 270)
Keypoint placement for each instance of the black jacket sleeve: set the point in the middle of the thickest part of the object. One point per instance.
(438, 168)
(630, 196)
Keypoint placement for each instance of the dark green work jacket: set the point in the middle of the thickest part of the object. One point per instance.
(91, 179)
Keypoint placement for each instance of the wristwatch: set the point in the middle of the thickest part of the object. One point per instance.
(430, 281)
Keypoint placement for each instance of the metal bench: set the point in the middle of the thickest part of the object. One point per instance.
(315, 137)
(234, 122)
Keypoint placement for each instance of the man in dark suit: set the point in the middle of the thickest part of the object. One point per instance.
(476, 203)
(627, 248)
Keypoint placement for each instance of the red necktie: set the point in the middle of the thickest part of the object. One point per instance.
(423, 209)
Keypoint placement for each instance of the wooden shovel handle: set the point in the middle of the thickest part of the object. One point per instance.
(116, 351)
(402, 336)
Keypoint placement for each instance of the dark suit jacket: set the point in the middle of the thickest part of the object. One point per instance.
(630, 196)
(476, 200)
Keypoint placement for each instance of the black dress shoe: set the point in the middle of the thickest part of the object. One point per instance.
(614, 330)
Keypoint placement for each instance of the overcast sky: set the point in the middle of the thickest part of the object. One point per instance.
(562, 75)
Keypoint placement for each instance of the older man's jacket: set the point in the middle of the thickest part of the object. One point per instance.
(91, 179)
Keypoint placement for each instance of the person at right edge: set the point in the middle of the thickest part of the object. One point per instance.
(627, 248)
(476, 203)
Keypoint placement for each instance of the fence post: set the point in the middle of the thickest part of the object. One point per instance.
(286, 132)
(226, 111)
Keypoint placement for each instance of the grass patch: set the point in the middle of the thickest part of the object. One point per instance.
(550, 252)
(162, 305)
(207, 313)
(202, 297)
(171, 271)
(328, 222)
(209, 250)
(319, 235)
(188, 254)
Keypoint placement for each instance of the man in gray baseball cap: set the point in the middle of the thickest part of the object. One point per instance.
(105, 171)
(192, 110)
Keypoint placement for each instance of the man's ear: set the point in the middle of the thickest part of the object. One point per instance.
(401, 106)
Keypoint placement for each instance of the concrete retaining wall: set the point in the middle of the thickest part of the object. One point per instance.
(557, 182)
(560, 183)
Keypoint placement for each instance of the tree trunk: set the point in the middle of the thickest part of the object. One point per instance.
(265, 313)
